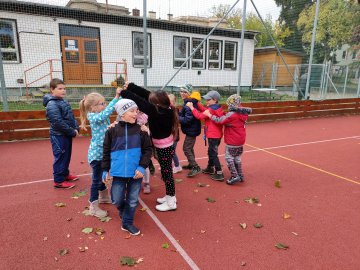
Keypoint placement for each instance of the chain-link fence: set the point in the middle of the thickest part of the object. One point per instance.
(89, 44)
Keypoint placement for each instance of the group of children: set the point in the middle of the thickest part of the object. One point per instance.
(147, 121)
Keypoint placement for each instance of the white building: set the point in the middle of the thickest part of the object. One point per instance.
(83, 47)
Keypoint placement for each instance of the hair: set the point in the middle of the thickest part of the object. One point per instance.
(85, 106)
(172, 99)
(161, 99)
(55, 82)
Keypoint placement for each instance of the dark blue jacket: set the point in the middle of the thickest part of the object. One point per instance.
(60, 115)
(126, 149)
(189, 124)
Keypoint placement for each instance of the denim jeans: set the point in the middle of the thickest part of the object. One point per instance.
(213, 153)
(96, 184)
(125, 196)
(61, 147)
(176, 158)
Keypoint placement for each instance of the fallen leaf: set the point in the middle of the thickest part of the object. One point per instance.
(258, 225)
(99, 231)
(237, 202)
(294, 233)
(82, 249)
(281, 246)
(105, 219)
(196, 190)
(243, 225)
(210, 200)
(243, 263)
(45, 238)
(79, 194)
(252, 200)
(201, 185)
(68, 235)
(202, 231)
(178, 180)
(69, 219)
(56, 259)
(87, 230)
(82, 162)
(143, 209)
(86, 212)
(127, 261)
(128, 236)
(63, 251)
(278, 184)
(165, 245)
(60, 204)
(286, 216)
(140, 260)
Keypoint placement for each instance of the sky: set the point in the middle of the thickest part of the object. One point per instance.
(182, 7)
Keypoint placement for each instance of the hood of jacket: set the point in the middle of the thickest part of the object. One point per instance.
(49, 97)
(193, 100)
(215, 106)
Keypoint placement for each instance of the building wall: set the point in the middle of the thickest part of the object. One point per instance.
(43, 43)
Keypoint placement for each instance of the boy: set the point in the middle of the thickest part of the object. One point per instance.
(63, 128)
(127, 153)
(234, 135)
(191, 127)
(213, 132)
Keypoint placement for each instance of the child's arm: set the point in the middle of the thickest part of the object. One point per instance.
(221, 120)
(188, 116)
(146, 152)
(139, 91)
(105, 114)
(106, 161)
(195, 112)
(143, 105)
(53, 113)
(201, 107)
(244, 110)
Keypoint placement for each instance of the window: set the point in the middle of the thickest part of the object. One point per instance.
(214, 53)
(8, 41)
(230, 55)
(181, 51)
(198, 59)
(138, 50)
(354, 54)
(344, 55)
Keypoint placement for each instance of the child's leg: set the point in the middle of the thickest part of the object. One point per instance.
(188, 148)
(238, 165)
(118, 189)
(146, 177)
(165, 156)
(133, 187)
(97, 184)
(213, 154)
(230, 160)
(175, 158)
(61, 147)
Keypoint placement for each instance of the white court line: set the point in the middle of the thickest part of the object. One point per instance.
(175, 243)
(199, 158)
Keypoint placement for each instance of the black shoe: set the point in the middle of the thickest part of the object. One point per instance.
(194, 171)
(131, 229)
(187, 167)
(208, 170)
(151, 168)
(234, 180)
(218, 176)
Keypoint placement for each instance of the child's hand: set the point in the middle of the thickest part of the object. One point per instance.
(105, 177)
(125, 85)
(118, 92)
(190, 105)
(207, 113)
(138, 175)
(145, 128)
(76, 133)
(113, 124)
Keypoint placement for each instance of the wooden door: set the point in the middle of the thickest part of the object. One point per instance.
(81, 60)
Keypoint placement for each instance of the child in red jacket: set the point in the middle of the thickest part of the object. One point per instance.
(213, 132)
(234, 135)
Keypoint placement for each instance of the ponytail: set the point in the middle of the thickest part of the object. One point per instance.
(83, 112)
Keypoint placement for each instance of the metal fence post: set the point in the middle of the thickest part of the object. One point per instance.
(145, 43)
(243, 21)
(346, 77)
(3, 86)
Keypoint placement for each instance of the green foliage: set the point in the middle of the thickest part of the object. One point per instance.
(129, 261)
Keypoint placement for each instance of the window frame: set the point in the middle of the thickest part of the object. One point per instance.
(16, 41)
(219, 60)
(204, 54)
(186, 66)
(149, 62)
(234, 62)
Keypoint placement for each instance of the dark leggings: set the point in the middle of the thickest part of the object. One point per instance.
(165, 156)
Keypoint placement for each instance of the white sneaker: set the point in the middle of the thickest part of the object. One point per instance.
(177, 169)
(96, 211)
(163, 199)
(168, 205)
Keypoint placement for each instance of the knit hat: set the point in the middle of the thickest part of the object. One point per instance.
(233, 101)
(196, 95)
(186, 88)
(212, 95)
(123, 105)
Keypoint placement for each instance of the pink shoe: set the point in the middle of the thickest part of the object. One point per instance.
(71, 178)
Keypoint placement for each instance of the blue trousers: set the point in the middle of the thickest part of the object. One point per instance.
(125, 196)
(61, 147)
(96, 184)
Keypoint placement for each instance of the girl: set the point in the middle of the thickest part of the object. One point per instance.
(177, 168)
(93, 107)
(163, 125)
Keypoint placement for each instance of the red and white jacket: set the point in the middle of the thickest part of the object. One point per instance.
(212, 130)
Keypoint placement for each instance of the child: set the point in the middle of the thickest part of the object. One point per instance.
(177, 168)
(213, 132)
(127, 152)
(142, 120)
(191, 127)
(93, 107)
(234, 135)
(63, 127)
(163, 125)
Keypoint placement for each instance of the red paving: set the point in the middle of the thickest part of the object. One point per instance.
(320, 190)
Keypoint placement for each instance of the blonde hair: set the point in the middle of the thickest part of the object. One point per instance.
(172, 99)
(85, 106)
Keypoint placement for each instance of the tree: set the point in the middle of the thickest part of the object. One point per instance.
(289, 14)
(336, 25)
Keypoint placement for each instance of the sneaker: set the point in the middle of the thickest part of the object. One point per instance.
(151, 168)
(146, 188)
(177, 169)
(131, 229)
(208, 170)
(218, 176)
(234, 180)
(194, 171)
(71, 178)
(187, 167)
(64, 185)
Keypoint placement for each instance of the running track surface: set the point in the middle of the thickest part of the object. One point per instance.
(316, 160)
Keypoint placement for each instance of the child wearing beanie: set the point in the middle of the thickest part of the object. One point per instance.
(127, 153)
(234, 135)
